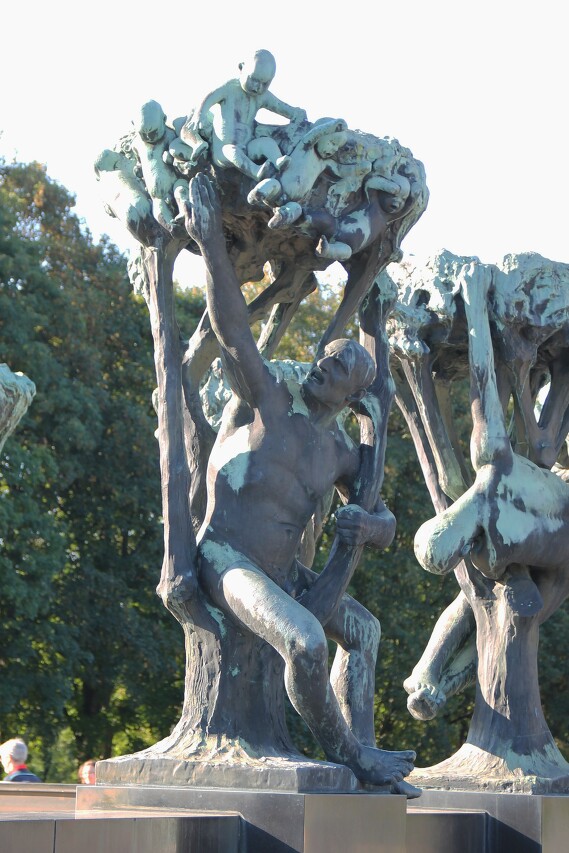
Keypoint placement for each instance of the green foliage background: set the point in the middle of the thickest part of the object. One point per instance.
(91, 664)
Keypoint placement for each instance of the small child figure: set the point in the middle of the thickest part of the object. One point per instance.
(232, 127)
(151, 144)
(311, 156)
(123, 193)
(385, 177)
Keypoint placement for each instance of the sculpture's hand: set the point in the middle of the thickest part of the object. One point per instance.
(356, 527)
(203, 214)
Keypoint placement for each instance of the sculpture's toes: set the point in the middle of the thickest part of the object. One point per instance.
(405, 788)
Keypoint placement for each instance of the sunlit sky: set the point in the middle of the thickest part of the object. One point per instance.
(477, 91)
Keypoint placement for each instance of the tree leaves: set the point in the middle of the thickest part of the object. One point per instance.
(80, 525)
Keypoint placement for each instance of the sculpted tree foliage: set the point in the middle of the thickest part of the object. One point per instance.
(298, 196)
(505, 534)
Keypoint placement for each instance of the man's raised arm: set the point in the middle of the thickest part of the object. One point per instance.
(226, 305)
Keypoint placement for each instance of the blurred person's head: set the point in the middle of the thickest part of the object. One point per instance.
(86, 772)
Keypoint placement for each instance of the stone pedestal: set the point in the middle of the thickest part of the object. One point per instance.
(300, 775)
(272, 821)
(513, 823)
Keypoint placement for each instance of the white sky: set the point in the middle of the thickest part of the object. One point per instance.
(477, 91)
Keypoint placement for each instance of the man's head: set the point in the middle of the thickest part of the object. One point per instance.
(342, 375)
(13, 751)
(256, 73)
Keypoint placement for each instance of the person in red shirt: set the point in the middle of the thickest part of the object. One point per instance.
(13, 755)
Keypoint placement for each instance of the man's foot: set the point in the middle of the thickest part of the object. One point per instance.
(425, 702)
(407, 789)
(380, 767)
(285, 215)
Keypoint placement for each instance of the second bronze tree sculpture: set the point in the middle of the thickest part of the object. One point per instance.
(506, 535)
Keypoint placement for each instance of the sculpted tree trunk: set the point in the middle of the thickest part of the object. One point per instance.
(220, 718)
(511, 519)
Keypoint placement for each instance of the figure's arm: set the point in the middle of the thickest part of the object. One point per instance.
(190, 132)
(246, 370)
(354, 528)
(216, 97)
(379, 182)
(274, 105)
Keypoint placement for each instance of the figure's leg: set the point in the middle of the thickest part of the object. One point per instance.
(490, 443)
(489, 440)
(451, 650)
(261, 606)
(443, 541)
(264, 148)
(162, 213)
(231, 155)
(357, 634)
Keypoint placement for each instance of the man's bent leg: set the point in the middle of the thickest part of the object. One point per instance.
(256, 602)
(357, 634)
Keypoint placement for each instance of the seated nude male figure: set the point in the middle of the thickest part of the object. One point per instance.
(278, 452)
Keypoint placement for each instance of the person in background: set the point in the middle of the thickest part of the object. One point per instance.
(86, 772)
(13, 755)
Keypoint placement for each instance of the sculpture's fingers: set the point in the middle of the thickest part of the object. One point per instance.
(194, 191)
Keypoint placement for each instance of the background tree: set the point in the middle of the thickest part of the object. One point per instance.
(85, 643)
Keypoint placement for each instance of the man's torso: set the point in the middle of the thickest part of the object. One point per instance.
(265, 481)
